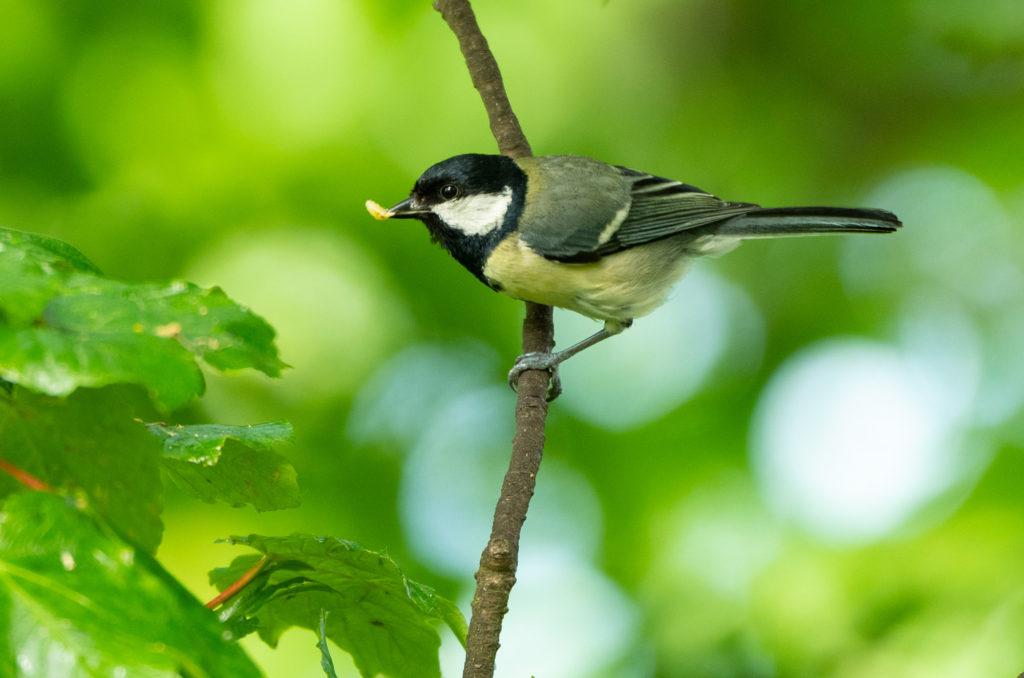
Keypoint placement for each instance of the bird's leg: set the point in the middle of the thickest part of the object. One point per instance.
(550, 361)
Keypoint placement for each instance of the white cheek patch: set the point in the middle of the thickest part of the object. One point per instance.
(476, 214)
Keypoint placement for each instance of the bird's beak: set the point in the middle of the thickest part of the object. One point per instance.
(406, 209)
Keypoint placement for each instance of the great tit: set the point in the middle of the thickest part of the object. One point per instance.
(602, 240)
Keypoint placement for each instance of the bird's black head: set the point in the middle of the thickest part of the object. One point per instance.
(468, 203)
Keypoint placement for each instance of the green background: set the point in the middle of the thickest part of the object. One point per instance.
(806, 464)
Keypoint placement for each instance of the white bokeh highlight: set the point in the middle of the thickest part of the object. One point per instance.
(718, 535)
(648, 370)
(845, 444)
(450, 483)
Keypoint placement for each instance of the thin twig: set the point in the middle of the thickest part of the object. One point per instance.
(24, 477)
(486, 76)
(497, 573)
(237, 586)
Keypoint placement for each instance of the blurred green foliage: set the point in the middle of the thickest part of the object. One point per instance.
(233, 143)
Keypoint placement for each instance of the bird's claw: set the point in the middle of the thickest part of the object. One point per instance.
(537, 361)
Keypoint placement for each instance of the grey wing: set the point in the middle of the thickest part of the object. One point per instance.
(572, 203)
(621, 208)
(662, 207)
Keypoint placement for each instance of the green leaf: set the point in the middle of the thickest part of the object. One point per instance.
(63, 326)
(201, 442)
(89, 442)
(382, 619)
(233, 464)
(441, 608)
(326, 662)
(77, 600)
(31, 269)
(45, 250)
(57, 363)
(206, 322)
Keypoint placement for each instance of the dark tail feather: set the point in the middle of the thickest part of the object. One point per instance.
(782, 221)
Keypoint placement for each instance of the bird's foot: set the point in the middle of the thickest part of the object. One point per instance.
(538, 361)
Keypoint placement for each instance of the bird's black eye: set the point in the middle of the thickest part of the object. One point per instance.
(449, 191)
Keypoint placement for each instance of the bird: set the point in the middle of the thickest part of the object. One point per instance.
(605, 241)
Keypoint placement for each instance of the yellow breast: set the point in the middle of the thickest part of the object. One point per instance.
(618, 287)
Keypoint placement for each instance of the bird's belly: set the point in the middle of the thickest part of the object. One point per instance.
(619, 287)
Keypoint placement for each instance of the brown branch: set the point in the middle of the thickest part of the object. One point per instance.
(483, 70)
(497, 573)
